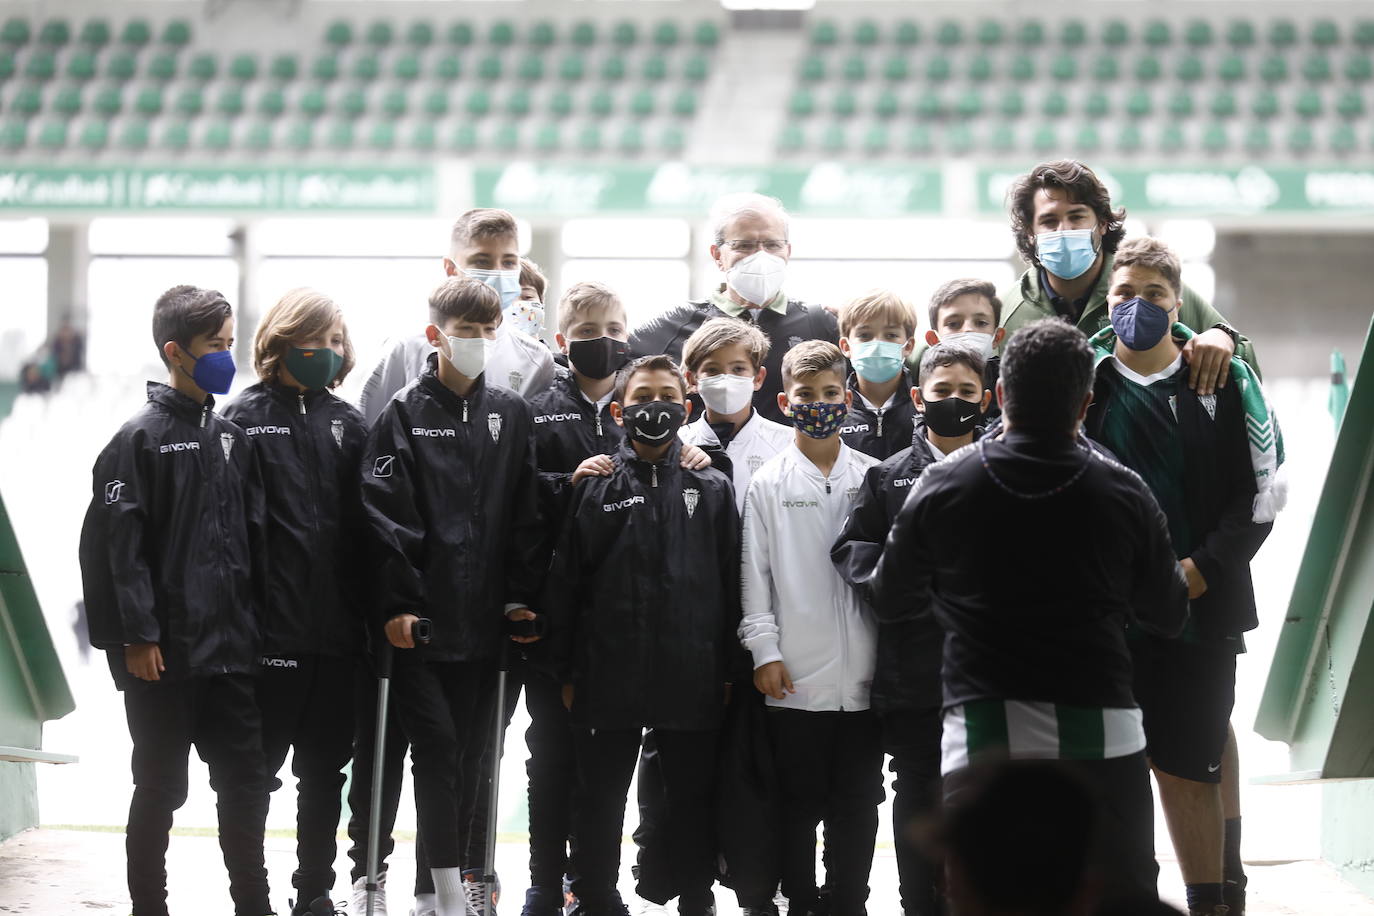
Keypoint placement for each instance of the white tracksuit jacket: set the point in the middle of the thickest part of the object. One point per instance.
(797, 609)
(758, 440)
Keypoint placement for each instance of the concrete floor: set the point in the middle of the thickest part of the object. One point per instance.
(67, 872)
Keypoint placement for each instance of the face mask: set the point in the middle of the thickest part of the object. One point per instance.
(1139, 323)
(599, 357)
(1068, 253)
(876, 360)
(952, 417)
(213, 372)
(653, 423)
(975, 340)
(505, 282)
(468, 354)
(758, 277)
(726, 394)
(819, 419)
(525, 316)
(315, 367)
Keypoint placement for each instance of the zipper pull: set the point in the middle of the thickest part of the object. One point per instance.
(653, 475)
(598, 424)
(465, 411)
(827, 484)
(300, 399)
(880, 424)
(204, 415)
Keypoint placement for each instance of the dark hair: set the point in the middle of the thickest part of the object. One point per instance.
(186, 312)
(951, 353)
(531, 275)
(465, 299)
(968, 286)
(1081, 185)
(1047, 371)
(647, 364)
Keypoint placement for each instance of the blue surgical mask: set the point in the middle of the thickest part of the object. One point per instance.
(505, 282)
(876, 360)
(1067, 253)
(213, 372)
(1139, 323)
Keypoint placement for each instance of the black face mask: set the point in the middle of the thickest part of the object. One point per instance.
(952, 417)
(653, 423)
(599, 357)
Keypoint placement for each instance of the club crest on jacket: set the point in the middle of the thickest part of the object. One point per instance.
(336, 427)
(494, 426)
(691, 496)
(226, 442)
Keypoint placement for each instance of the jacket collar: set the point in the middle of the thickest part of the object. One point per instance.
(1035, 289)
(640, 468)
(291, 397)
(179, 404)
(429, 378)
(858, 404)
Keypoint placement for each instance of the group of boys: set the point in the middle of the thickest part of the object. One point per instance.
(658, 563)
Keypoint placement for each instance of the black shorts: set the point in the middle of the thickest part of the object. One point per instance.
(1185, 691)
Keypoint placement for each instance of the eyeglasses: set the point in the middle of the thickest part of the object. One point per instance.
(749, 246)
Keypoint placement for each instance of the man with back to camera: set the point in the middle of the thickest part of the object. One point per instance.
(750, 246)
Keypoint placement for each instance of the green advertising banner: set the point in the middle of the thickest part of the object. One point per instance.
(678, 189)
(1216, 191)
(343, 190)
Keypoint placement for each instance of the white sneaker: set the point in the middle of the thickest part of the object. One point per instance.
(426, 905)
(357, 898)
(474, 887)
(649, 908)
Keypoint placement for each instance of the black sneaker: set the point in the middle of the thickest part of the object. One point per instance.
(320, 905)
(543, 901)
(1233, 895)
(769, 910)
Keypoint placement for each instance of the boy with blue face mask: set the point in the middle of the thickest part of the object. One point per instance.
(173, 564)
(876, 334)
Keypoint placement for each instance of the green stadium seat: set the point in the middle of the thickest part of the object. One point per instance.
(271, 103)
(1265, 104)
(1283, 34)
(1045, 139)
(231, 100)
(1240, 33)
(340, 136)
(1181, 103)
(542, 34)
(424, 137)
(584, 35)
(6, 64)
(436, 103)
(655, 68)
(908, 33)
(42, 66)
(177, 33)
(1342, 139)
(16, 32)
(1012, 104)
(326, 68)
(163, 67)
(1002, 138)
(313, 102)
(352, 104)
(1274, 69)
(1130, 139)
(866, 33)
(855, 69)
(382, 137)
(895, 68)
(980, 68)
(1138, 103)
(1189, 69)
(395, 103)
(1106, 69)
(478, 103)
(449, 67)
(1087, 139)
(919, 141)
(243, 67)
(190, 101)
(791, 139)
(531, 69)
(1032, 33)
(109, 101)
(949, 35)
(1223, 104)
(930, 104)
(121, 66)
(301, 136)
(339, 34)
(625, 34)
(1148, 68)
(258, 137)
(969, 104)
(1232, 68)
(53, 135)
(203, 67)
(518, 103)
(877, 139)
(1325, 33)
(67, 102)
(959, 140)
(696, 68)
(685, 103)
(217, 137)
(176, 137)
(825, 33)
(502, 33)
(1022, 68)
(506, 138)
(1073, 33)
(613, 68)
(407, 66)
(95, 136)
(135, 136)
(367, 68)
(95, 33)
(1358, 69)
(1055, 104)
(285, 67)
(1350, 104)
(1216, 138)
(1308, 103)
(938, 69)
(561, 103)
(137, 33)
(459, 35)
(1172, 139)
(1198, 33)
(1097, 104)
(667, 34)
(55, 33)
(589, 138)
(631, 139)
(642, 103)
(672, 139)
(1064, 67)
(990, 33)
(1115, 34)
(834, 139)
(813, 68)
(1317, 68)
(1300, 139)
(706, 34)
(843, 104)
(548, 139)
(887, 105)
(1364, 33)
(27, 102)
(489, 67)
(80, 65)
(1158, 34)
(149, 101)
(420, 35)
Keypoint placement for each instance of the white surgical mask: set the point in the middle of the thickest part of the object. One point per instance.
(468, 354)
(758, 277)
(505, 282)
(525, 316)
(974, 340)
(726, 394)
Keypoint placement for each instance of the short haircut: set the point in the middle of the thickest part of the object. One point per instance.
(951, 353)
(301, 314)
(582, 297)
(186, 312)
(724, 332)
(532, 276)
(647, 364)
(881, 306)
(482, 223)
(1081, 185)
(464, 299)
(731, 207)
(811, 357)
(1046, 372)
(966, 286)
(1154, 254)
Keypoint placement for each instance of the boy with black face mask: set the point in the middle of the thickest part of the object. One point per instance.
(644, 602)
(173, 565)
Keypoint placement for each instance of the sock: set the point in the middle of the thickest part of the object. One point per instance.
(1201, 897)
(449, 891)
(1232, 869)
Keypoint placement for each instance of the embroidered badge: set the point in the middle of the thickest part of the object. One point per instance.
(691, 496)
(226, 442)
(336, 427)
(494, 426)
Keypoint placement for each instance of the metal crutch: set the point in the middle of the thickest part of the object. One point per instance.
(493, 801)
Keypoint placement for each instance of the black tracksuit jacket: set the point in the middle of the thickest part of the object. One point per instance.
(884, 432)
(449, 491)
(567, 431)
(173, 545)
(309, 446)
(643, 597)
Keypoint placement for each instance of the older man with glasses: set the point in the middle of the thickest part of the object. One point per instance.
(750, 246)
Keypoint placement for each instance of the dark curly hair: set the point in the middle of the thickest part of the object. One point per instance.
(1047, 371)
(1081, 185)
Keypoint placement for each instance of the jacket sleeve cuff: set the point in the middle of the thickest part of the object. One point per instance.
(765, 650)
(514, 606)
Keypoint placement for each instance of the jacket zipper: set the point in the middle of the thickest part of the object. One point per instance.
(312, 472)
(880, 424)
(300, 399)
(204, 415)
(598, 423)
(843, 637)
(653, 475)
(465, 410)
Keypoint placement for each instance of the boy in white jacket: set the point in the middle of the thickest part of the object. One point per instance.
(812, 640)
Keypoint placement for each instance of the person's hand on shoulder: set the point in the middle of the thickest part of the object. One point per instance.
(595, 466)
(1208, 356)
(694, 458)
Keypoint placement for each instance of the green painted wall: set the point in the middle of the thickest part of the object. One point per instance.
(1348, 831)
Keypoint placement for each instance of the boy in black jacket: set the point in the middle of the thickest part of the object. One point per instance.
(644, 599)
(309, 443)
(449, 490)
(876, 336)
(1194, 453)
(173, 573)
(906, 679)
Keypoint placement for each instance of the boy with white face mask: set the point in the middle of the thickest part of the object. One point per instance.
(969, 311)
(724, 363)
